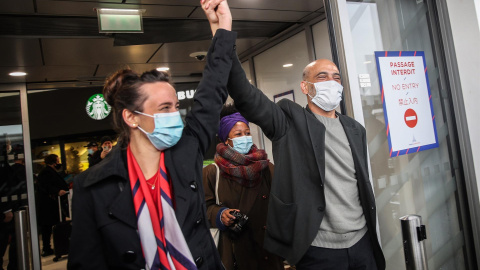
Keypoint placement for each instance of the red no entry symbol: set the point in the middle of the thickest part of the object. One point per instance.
(410, 118)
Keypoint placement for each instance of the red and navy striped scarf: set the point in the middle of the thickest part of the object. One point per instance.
(243, 169)
(163, 243)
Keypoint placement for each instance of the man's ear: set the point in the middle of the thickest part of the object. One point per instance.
(304, 87)
(130, 118)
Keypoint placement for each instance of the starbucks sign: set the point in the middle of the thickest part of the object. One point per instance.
(97, 108)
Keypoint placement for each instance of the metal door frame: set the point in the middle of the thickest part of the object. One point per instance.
(21, 87)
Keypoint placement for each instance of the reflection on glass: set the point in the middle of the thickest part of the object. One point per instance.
(13, 185)
(321, 40)
(273, 78)
(76, 156)
(419, 183)
(40, 152)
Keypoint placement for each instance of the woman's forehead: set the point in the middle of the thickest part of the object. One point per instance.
(240, 125)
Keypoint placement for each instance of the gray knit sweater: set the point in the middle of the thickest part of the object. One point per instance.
(343, 224)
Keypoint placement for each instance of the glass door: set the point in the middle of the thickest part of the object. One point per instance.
(16, 187)
(428, 183)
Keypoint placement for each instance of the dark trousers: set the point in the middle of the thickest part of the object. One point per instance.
(358, 256)
(8, 232)
(46, 234)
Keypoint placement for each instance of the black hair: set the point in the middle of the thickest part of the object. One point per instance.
(228, 109)
(50, 159)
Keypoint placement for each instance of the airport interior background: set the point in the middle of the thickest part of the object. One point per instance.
(66, 60)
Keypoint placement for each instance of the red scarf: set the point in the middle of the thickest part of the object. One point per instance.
(243, 169)
(163, 243)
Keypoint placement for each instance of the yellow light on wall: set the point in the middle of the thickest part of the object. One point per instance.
(112, 20)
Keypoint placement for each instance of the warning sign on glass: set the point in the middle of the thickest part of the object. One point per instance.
(407, 102)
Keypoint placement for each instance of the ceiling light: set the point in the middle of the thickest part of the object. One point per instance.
(367, 62)
(287, 65)
(112, 20)
(163, 69)
(17, 73)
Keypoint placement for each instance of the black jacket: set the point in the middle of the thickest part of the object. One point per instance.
(104, 234)
(297, 202)
(49, 184)
(94, 158)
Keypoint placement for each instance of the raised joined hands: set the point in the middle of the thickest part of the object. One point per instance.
(218, 14)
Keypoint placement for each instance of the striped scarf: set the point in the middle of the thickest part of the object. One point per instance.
(163, 243)
(243, 169)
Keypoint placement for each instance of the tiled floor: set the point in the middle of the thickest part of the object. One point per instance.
(47, 262)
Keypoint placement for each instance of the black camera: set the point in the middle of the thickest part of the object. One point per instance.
(239, 222)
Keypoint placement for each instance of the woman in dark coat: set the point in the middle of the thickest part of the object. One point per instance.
(143, 206)
(245, 178)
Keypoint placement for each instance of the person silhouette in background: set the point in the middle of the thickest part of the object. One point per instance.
(50, 186)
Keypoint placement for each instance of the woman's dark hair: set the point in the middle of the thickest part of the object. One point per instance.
(50, 159)
(228, 109)
(122, 91)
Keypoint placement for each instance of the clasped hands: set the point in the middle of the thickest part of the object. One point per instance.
(218, 14)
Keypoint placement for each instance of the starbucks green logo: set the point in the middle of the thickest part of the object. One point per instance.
(97, 108)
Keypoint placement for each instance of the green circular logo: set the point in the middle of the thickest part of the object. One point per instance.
(97, 108)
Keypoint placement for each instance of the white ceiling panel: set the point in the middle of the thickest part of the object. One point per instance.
(259, 15)
(167, 12)
(69, 48)
(72, 72)
(176, 69)
(245, 44)
(166, 2)
(93, 51)
(20, 52)
(50, 73)
(180, 51)
(295, 5)
(53, 7)
(20, 6)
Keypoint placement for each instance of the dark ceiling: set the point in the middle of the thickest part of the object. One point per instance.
(56, 42)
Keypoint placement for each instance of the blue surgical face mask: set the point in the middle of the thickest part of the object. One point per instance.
(90, 151)
(242, 144)
(168, 129)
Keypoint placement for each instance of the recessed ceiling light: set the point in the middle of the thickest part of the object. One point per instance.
(163, 68)
(287, 65)
(17, 73)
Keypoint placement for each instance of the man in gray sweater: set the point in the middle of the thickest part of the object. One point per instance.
(322, 212)
(341, 241)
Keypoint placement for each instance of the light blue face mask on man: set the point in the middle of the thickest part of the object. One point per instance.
(168, 129)
(242, 144)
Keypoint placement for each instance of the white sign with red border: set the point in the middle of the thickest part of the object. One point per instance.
(407, 102)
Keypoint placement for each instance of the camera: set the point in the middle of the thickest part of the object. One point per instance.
(200, 57)
(239, 222)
